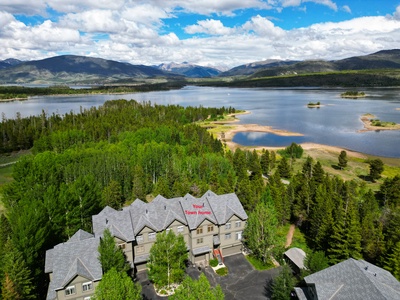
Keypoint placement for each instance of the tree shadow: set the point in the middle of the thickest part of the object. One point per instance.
(268, 288)
(336, 167)
(366, 178)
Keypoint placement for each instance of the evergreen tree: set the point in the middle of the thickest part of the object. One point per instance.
(282, 285)
(110, 256)
(283, 168)
(17, 283)
(265, 162)
(112, 195)
(376, 168)
(318, 173)
(117, 286)
(315, 262)
(167, 259)
(197, 290)
(392, 263)
(342, 159)
(390, 192)
(260, 232)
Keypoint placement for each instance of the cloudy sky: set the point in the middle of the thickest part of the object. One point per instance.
(205, 32)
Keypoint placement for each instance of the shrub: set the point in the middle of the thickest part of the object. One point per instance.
(214, 262)
(222, 271)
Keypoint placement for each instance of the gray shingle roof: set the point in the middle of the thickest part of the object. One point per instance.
(201, 250)
(297, 256)
(78, 256)
(355, 279)
(161, 212)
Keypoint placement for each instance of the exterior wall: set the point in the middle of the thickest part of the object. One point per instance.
(200, 237)
(79, 293)
(126, 247)
(229, 236)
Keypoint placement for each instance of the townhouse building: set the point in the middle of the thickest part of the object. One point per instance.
(211, 225)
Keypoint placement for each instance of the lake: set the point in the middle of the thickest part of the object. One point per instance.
(336, 123)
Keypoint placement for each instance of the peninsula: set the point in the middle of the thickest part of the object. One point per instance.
(373, 124)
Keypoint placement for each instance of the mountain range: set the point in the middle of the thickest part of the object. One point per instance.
(82, 69)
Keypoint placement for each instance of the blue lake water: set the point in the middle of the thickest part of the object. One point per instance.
(336, 123)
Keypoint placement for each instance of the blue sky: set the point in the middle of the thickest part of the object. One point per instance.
(222, 33)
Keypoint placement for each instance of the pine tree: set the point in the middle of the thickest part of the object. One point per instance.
(112, 195)
(376, 168)
(17, 283)
(342, 159)
(392, 263)
(265, 162)
(282, 285)
(283, 168)
(110, 256)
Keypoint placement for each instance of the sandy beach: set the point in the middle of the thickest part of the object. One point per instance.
(227, 135)
(366, 119)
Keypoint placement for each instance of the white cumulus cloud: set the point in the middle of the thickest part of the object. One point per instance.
(213, 27)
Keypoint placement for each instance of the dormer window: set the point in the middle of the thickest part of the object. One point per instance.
(87, 286)
(139, 239)
(152, 236)
(70, 290)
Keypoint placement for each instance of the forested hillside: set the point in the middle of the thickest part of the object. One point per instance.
(125, 150)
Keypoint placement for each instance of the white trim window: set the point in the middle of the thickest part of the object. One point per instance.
(87, 286)
(152, 236)
(227, 236)
(70, 290)
(180, 228)
(87, 298)
(238, 236)
(227, 226)
(238, 224)
(139, 239)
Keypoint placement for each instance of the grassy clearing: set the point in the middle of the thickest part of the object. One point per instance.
(258, 264)
(299, 240)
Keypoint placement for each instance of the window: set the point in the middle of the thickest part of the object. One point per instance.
(180, 228)
(87, 286)
(200, 230)
(122, 246)
(210, 228)
(200, 241)
(238, 224)
(139, 239)
(152, 236)
(227, 236)
(238, 235)
(167, 230)
(86, 298)
(70, 290)
(139, 249)
(227, 226)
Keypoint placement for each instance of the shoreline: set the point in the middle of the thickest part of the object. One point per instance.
(366, 119)
(227, 135)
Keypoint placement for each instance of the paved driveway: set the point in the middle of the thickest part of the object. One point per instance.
(242, 281)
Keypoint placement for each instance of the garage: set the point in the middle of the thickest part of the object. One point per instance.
(232, 250)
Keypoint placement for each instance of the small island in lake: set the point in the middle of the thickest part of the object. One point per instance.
(312, 104)
(371, 123)
(352, 94)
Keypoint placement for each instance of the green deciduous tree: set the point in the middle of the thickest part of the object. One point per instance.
(167, 259)
(260, 232)
(342, 159)
(117, 286)
(110, 256)
(197, 290)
